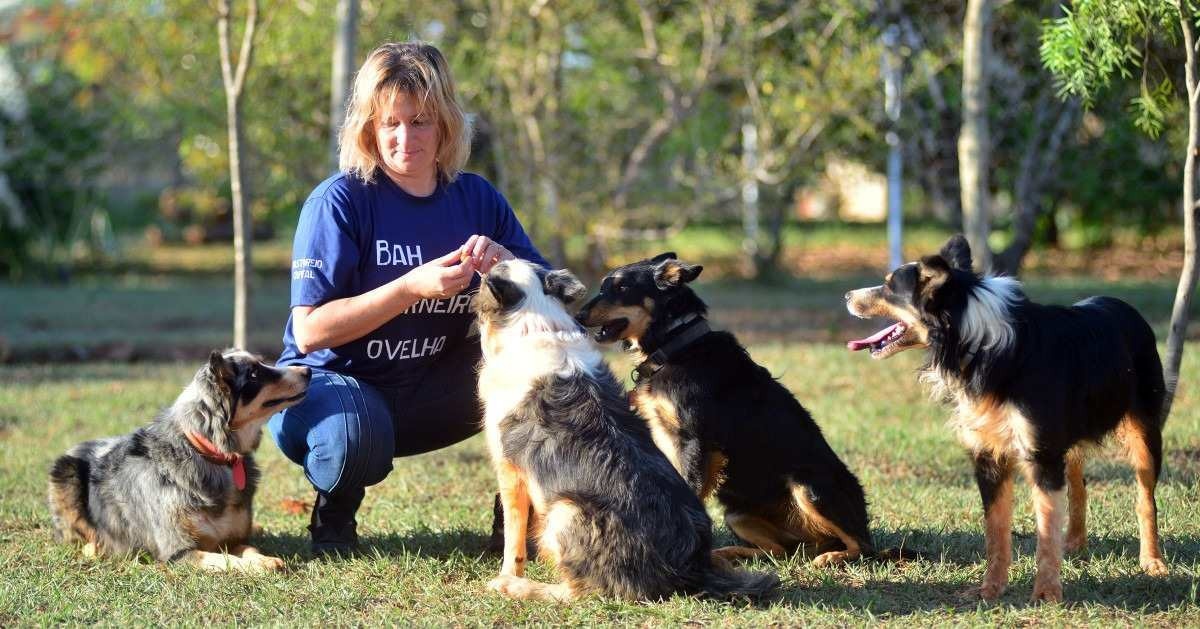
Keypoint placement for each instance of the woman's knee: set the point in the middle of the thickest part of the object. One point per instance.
(341, 433)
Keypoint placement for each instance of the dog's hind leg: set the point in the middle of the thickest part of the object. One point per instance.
(816, 507)
(522, 588)
(1077, 500)
(1144, 444)
(67, 496)
(765, 536)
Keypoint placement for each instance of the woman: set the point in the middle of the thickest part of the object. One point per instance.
(384, 257)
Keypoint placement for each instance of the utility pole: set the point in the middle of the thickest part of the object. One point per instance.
(890, 63)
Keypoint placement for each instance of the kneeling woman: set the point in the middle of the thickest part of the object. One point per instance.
(384, 259)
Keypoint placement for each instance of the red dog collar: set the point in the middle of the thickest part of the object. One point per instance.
(211, 454)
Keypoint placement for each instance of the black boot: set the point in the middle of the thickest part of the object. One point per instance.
(496, 541)
(333, 528)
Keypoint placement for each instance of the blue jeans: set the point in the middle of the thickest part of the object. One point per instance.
(345, 432)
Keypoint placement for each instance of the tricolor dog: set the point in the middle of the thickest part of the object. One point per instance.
(1031, 386)
(614, 518)
(180, 488)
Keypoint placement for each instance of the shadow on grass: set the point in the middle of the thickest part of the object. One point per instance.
(418, 542)
(1129, 592)
(894, 592)
(1181, 466)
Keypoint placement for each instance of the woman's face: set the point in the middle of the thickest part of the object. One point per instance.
(407, 140)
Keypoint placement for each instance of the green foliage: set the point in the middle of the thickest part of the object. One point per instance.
(1099, 40)
(52, 165)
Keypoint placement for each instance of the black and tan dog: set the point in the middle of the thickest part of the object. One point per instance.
(1031, 385)
(725, 423)
(180, 488)
(615, 518)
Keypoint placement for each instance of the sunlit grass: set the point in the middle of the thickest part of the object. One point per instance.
(426, 525)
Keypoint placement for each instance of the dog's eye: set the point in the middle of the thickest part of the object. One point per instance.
(622, 289)
(253, 375)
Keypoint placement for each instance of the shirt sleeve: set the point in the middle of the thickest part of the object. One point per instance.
(324, 254)
(511, 234)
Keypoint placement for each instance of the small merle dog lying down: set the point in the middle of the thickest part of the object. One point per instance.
(725, 423)
(180, 488)
(1032, 386)
(615, 519)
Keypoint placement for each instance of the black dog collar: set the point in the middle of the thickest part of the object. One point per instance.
(656, 360)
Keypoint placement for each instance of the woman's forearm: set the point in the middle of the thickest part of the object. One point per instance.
(340, 321)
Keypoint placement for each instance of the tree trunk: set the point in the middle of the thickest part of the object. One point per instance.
(345, 42)
(1039, 166)
(973, 141)
(750, 225)
(1187, 277)
(234, 81)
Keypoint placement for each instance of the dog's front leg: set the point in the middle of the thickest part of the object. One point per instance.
(514, 500)
(220, 562)
(1047, 475)
(994, 478)
(254, 555)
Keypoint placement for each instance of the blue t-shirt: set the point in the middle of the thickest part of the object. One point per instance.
(354, 237)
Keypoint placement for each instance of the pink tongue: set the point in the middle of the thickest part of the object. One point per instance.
(854, 346)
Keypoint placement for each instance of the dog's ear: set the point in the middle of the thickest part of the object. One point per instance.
(220, 369)
(957, 252)
(932, 273)
(505, 291)
(563, 285)
(671, 273)
(663, 256)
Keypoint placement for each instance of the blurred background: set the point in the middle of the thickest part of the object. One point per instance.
(750, 136)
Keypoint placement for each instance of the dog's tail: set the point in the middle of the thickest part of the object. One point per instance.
(68, 497)
(723, 581)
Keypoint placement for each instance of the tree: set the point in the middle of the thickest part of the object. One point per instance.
(345, 42)
(1010, 132)
(234, 80)
(1102, 38)
(974, 147)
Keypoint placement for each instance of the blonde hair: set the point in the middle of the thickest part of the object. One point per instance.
(418, 70)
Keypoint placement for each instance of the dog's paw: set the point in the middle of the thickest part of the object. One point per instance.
(265, 563)
(1075, 545)
(1047, 590)
(729, 554)
(986, 591)
(506, 584)
(1154, 566)
(833, 558)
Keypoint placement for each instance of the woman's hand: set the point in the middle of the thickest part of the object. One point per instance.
(441, 278)
(485, 252)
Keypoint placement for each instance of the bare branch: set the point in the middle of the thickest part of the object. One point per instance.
(234, 81)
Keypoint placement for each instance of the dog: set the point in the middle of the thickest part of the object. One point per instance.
(181, 487)
(725, 423)
(614, 517)
(1032, 385)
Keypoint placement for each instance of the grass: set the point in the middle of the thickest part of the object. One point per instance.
(425, 526)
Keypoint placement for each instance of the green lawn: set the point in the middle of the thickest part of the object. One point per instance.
(426, 524)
